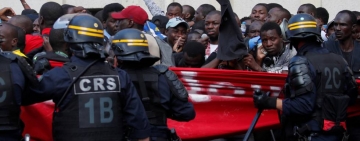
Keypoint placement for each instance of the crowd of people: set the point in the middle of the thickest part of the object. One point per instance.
(113, 66)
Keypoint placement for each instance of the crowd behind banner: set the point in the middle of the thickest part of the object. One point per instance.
(183, 36)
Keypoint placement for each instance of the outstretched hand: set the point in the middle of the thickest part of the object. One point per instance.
(6, 12)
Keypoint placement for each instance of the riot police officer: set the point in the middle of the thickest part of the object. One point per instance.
(15, 74)
(319, 87)
(162, 93)
(92, 98)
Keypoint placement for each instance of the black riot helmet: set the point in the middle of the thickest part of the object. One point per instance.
(131, 47)
(302, 26)
(85, 36)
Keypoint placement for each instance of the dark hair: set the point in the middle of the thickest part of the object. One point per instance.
(50, 12)
(323, 14)
(56, 39)
(264, 5)
(273, 5)
(216, 12)
(206, 9)
(270, 26)
(311, 7)
(244, 19)
(192, 11)
(175, 4)
(357, 13)
(286, 13)
(13, 29)
(191, 34)
(194, 48)
(21, 38)
(112, 7)
(66, 7)
(23, 22)
(199, 25)
(351, 14)
(98, 15)
(28, 11)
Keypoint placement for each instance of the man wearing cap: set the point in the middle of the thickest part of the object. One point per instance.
(176, 32)
(136, 17)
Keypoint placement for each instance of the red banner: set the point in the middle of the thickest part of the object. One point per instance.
(222, 100)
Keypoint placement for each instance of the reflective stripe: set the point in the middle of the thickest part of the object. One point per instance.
(91, 34)
(301, 26)
(138, 44)
(302, 23)
(86, 29)
(130, 41)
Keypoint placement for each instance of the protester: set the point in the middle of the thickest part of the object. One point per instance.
(176, 32)
(274, 56)
(254, 29)
(109, 22)
(307, 8)
(193, 55)
(202, 11)
(160, 22)
(322, 16)
(259, 12)
(36, 27)
(9, 37)
(188, 13)
(212, 24)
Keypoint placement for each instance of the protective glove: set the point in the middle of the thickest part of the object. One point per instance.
(263, 101)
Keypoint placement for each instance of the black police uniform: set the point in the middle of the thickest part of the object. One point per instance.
(12, 84)
(161, 99)
(318, 89)
(162, 94)
(45, 61)
(320, 86)
(307, 80)
(93, 100)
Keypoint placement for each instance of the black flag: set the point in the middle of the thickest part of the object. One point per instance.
(231, 42)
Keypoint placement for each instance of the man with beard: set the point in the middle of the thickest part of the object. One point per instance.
(212, 24)
(346, 46)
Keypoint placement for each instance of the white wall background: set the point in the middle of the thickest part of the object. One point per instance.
(241, 7)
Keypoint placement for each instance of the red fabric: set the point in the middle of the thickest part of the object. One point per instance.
(222, 100)
(46, 31)
(32, 42)
(330, 124)
(56, 63)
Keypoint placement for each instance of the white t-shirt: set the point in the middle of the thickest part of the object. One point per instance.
(210, 50)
